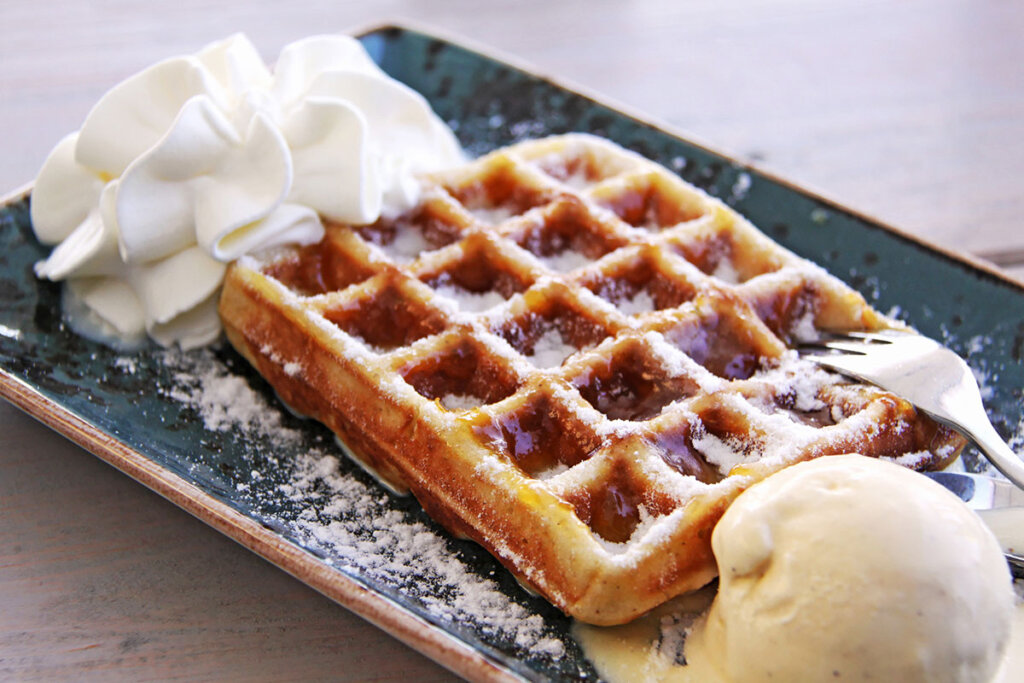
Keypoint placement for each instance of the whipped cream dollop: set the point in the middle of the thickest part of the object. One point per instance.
(199, 159)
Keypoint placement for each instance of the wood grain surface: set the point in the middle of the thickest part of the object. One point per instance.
(912, 111)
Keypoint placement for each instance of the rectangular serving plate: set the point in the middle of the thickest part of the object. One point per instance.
(104, 400)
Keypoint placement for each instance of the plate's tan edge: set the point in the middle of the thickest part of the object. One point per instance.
(415, 632)
(410, 629)
(15, 195)
(667, 128)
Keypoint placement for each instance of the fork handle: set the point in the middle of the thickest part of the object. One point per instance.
(995, 449)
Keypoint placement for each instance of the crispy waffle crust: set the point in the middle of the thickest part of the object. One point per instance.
(572, 357)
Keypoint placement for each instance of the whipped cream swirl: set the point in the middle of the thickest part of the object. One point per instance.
(200, 159)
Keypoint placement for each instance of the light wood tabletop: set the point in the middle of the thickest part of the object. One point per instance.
(911, 111)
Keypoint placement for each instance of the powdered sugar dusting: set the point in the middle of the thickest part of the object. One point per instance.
(975, 350)
(362, 533)
(578, 179)
(352, 525)
(799, 378)
(408, 243)
(641, 302)
(647, 520)
(471, 301)
(721, 453)
(726, 272)
(741, 187)
(126, 365)
(911, 460)
(565, 261)
(550, 350)
(1016, 440)
(673, 360)
(226, 401)
(493, 215)
(803, 329)
(552, 472)
(460, 401)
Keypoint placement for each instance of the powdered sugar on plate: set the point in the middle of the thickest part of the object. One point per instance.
(317, 500)
(362, 532)
(224, 400)
(976, 350)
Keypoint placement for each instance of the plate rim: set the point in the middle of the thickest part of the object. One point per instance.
(428, 639)
(416, 632)
(801, 187)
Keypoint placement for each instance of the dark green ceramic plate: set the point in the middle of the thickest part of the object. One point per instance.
(202, 429)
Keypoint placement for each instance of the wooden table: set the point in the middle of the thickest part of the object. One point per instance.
(912, 111)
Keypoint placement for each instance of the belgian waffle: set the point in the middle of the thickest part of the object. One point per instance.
(573, 357)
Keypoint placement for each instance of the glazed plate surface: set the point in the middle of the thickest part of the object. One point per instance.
(204, 430)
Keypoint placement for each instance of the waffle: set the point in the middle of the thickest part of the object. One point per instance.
(572, 357)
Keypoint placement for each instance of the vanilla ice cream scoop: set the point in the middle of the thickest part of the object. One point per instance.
(850, 568)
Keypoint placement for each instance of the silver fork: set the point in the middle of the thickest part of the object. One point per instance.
(933, 378)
